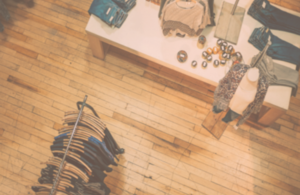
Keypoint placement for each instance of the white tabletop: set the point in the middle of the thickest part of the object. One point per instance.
(141, 34)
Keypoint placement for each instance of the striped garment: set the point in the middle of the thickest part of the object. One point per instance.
(185, 21)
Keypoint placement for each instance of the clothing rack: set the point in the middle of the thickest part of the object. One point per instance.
(52, 192)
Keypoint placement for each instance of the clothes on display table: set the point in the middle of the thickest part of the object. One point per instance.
(211, 8)
(277, 74)
(188, 20)
(273, 17)
(112, 12)
(229, 84)
(279, 49)
(91, 151)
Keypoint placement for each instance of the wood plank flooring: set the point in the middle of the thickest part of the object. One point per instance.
(290, 4)
(46, 66)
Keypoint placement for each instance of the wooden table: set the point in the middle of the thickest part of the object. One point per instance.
(141, 34)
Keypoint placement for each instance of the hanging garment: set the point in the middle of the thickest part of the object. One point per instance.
(286, 77)
(273, 17)
(277, 74)
(279, 49)
(228, 85)
(230, 116)
(90, 152)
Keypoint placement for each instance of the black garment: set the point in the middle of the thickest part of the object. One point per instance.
(230, 116)
(111, 144)
(212, 14)
(216, 110)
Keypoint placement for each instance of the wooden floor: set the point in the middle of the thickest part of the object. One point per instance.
(46, 66)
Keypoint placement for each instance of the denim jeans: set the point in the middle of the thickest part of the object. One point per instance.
(279, 49)
(126, 5)
(273, 17)
(109, 12)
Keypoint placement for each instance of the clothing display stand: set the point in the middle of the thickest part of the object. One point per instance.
(213, 122)
(82, 153)
(52, 192)
(230, 22)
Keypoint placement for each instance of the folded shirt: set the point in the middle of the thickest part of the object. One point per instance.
(126, 5)
(286, 77)
(185, 20)
(109, 12)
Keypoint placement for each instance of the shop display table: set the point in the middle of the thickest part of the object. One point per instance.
(141, 34)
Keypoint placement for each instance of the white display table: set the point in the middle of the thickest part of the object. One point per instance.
(141, 34)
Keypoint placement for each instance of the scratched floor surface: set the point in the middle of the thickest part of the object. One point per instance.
(46, 66)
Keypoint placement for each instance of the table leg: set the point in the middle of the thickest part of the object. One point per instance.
(96, 46)
(270, 116)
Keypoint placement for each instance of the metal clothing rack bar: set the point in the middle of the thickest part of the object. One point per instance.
(67, 149)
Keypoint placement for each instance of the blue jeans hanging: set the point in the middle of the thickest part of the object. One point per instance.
(279, 49)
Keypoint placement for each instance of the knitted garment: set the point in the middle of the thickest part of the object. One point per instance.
(228, 85)
(190, 21)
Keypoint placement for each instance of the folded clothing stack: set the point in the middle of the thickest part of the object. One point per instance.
(112, 12)
(185, 17)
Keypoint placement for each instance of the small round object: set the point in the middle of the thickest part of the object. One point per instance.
(223, 48)
(219, 43)
(220, 55)
(182, 56)
(216, 62)
(224, 56)
(216, 50)
(194, 63)
(204, 64)
(222, 62)
(237, 56)
(228, 56)
(201, 41)
(209, 58)
(230, 49)
(204, 54)
(209, 51)
(225, 43)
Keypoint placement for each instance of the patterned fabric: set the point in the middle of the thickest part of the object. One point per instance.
(228, 85)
